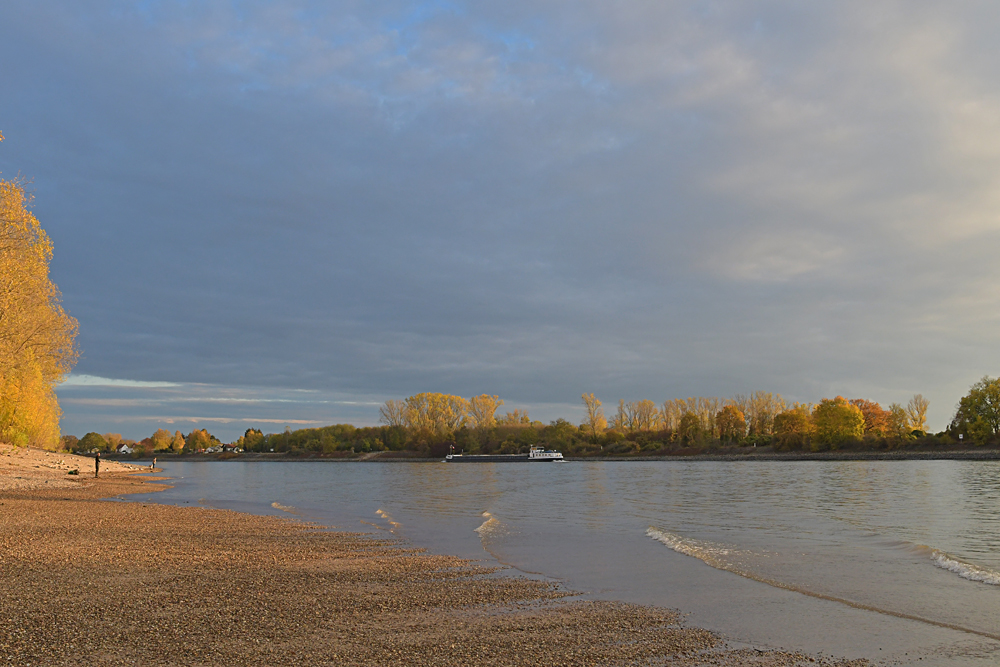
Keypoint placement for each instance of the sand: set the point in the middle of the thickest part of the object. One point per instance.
(91, 582)
(26, 468)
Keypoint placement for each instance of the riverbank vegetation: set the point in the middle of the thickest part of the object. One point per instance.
(432, 425)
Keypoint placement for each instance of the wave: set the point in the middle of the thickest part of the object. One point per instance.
(490, 528)
(963, 568)
(385, 515)
(284, 508)
(715, 555)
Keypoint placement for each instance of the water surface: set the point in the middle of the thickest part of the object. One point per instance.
(893, 560)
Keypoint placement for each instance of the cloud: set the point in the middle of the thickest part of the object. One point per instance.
(74, 380)
(533, 199)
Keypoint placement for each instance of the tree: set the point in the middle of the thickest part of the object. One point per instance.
(440, 413)
(198, 440)
(595, 420)
(645, 416)
(671, 412)
(515, 417)
(836, 421)
(483, 410)
(393, 413)
(898, 421)
(252, 439)
(916, 411)
(760, 408)
(978, 412)
(161, 439)
(92, 441)
(690, 427)
(732, 424)
(793, 427)
(876, 419)
(622, 420)
(177, 444)
(37, 337)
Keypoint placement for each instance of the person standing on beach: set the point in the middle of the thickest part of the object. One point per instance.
(153, 464)
(97, 464)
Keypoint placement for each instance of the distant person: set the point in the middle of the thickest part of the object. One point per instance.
(97, 464)
(153, 464)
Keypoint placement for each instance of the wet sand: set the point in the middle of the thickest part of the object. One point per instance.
(89, 582)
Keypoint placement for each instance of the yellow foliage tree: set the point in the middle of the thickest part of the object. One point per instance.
(37, 337)
(441, 413)
(793, 427)
(836, 420)
(483, 410)
(595, 415)
(732, 424)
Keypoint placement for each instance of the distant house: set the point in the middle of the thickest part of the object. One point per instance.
(213, 450)
(124, 449)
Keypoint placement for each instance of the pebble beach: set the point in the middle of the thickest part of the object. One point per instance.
(85, 581)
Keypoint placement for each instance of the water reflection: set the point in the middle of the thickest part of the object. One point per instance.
(903, 537)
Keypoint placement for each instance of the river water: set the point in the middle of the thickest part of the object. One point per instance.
(893, 560)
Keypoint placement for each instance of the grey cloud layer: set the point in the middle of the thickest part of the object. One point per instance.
(537, 199)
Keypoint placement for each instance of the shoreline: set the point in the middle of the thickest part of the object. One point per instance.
(842, 455)
(93, 582)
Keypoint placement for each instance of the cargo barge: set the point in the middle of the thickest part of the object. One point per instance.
(534, 454)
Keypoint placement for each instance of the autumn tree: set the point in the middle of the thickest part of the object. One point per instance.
(836, 420)
(645, 416)
(793, 427)
(252, 439)
(595, 420)
(760, 408)
(690, 427)
(393, 413)
(161, 439)
(916, 411)
(732, 424)
(37, 337)
(622, 420)
(440, 413)
(876, 419)
(671, 412)
(177, 444)
(898, 421)
(515, 417)
(197, 440)
(483, 409)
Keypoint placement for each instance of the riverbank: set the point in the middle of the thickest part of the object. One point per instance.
(89, 582)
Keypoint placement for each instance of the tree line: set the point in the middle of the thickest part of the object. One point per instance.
(432, 424)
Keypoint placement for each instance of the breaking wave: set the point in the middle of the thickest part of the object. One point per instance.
(964, 569)
(709, 552)
(492, 527)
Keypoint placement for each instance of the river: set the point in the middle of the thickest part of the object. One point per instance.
(898, 561)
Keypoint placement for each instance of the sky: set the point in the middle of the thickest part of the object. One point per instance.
(271, 214)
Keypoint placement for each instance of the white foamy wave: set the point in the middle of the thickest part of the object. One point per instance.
(491, 527)
(965, 570)
(716, 555)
